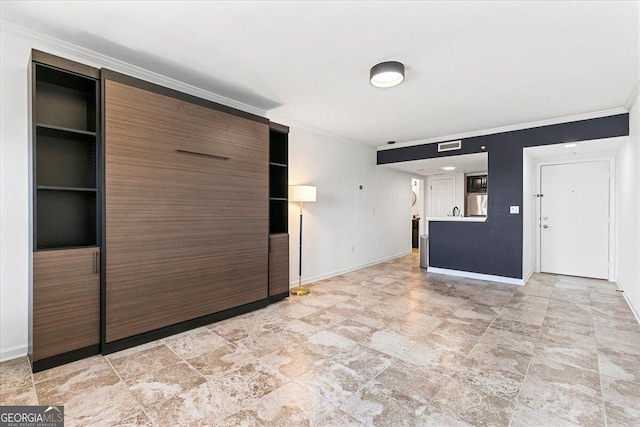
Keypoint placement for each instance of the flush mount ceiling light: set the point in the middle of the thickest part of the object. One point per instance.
(448, 168)
(570, 145)
(387, 74)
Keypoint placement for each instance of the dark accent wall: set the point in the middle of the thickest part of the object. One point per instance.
(495, 246)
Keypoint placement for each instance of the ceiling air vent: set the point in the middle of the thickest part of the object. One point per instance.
(449, 146)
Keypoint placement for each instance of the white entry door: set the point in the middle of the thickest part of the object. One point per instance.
(441, 195)
(574, 219)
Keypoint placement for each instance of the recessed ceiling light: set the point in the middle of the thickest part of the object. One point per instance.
(570, 145)
(387, 74)
(448, 168)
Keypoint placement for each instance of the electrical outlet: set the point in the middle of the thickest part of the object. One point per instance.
(514, 209)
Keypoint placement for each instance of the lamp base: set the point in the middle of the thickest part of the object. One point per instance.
(300, 291)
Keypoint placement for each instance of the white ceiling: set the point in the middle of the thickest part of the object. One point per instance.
(469, 65)
(464, 163)
(585, 148)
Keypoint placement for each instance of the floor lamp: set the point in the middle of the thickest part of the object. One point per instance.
(301, 193)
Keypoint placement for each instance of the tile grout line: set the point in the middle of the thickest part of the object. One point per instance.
(182, 358)
(162, 341)
(144, 411)
(295, 381)
(535, 346)
(251, 416)
(593, 325)
(207, 380)
(33, 381)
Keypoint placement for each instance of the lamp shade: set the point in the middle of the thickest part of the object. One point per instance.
(302, 193)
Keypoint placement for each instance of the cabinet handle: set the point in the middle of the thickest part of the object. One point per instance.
(195, 153)
(95, 263)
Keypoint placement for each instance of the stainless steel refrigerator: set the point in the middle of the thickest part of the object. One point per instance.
(476, 204)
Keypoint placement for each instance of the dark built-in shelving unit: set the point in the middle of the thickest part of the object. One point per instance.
(278, 211)
(65, 159)
(64, 308)
(278, 180)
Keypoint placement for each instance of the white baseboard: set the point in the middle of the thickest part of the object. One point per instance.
(13, 352)
(527, 277)
(479, 276)
(319, 277)
(633, 309)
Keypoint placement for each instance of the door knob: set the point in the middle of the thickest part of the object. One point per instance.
(545, 226)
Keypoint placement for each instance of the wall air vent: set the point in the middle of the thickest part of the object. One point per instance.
(449, 146)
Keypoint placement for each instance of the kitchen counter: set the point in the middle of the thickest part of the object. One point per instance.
(458, 218)
(457, 246)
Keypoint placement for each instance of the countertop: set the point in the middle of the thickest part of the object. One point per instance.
(458, 218)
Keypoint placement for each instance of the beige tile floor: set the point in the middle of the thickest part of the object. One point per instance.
(389, 345)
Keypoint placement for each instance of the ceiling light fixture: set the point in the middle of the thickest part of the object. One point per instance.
(387, 74)
(571, 145)
(448, 168)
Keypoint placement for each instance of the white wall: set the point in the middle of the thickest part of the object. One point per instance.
(14, 197)
(374, 221)
(628, 212)
(529, 206)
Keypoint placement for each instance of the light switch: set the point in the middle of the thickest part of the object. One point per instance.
(514, 209)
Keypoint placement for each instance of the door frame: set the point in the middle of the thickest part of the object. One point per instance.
(422, 198)
(612, 205)
(428, 190)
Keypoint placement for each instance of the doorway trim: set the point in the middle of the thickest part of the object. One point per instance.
(612, 204)
(422, 198)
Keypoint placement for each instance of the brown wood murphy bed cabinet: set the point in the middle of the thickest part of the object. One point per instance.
(188, 218)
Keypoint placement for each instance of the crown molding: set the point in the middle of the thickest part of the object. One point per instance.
(566, 119)
(300, 125)
(98, 60)
(633, 97)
